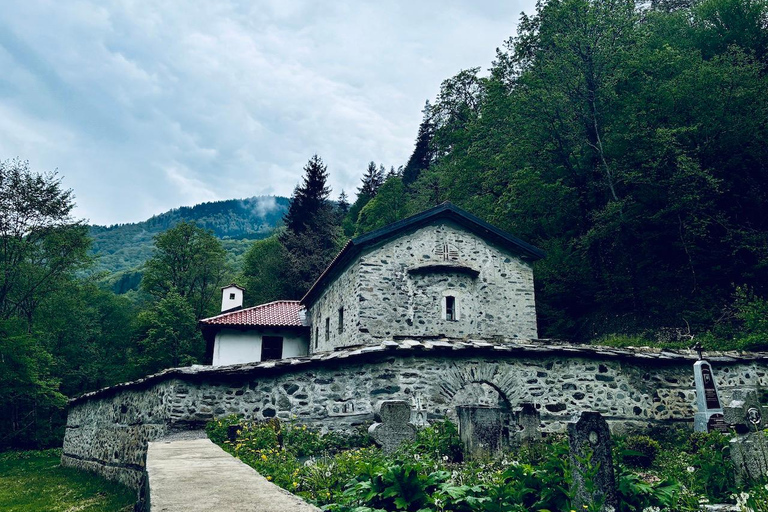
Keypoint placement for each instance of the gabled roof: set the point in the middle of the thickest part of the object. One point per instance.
(281, 313)
(233, 285)
(443, 211)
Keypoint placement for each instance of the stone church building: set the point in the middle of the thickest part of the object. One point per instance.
(442, 273)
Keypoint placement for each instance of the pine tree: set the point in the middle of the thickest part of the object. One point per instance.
(372, 181)
(422, 155)
(309, 198)
(343, 204)
(311, 230)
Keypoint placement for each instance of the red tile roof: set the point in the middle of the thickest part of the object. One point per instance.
(281, 313)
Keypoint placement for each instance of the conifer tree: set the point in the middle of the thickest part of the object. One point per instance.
(343, 204)
(311, 230)
(372, 180)
(422, 155)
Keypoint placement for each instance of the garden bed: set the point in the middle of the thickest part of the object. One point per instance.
(346, 473)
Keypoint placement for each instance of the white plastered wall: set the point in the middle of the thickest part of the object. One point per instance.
(233, 346)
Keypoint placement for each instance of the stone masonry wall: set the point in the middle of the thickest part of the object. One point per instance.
(107, 431)
(382, 296)
(341, 293)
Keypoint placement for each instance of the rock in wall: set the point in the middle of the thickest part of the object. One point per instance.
(107, 431)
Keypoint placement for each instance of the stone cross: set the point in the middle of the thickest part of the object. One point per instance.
(591, 462)
(393, 428)
(418, 413)
(745, 413)
(710, 411)
(528, 421)
(483, 430)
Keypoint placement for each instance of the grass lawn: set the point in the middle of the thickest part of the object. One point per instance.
(34, 480)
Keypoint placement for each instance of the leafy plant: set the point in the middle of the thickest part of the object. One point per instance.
(639, 451)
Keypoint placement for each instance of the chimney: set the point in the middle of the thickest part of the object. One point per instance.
(231, 297)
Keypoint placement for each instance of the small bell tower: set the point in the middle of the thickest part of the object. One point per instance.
(231, 297)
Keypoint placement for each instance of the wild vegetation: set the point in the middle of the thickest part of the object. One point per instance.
(343, 473)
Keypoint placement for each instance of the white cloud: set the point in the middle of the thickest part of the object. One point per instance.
(145, 106)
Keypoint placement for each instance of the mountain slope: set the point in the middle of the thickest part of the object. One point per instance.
(124, 247)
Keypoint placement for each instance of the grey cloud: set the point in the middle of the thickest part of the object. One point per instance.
(144, 106)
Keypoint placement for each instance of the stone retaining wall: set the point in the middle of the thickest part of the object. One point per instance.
(108, 430)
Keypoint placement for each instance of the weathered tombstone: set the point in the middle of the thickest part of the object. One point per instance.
(393, 428)
(749, 450)
(749, 453)
(591, 462)
(745, 413)
(483, 430)
(527, 420)
(418, 413)
(710, 411)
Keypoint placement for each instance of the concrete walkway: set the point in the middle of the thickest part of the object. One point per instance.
(196, 475)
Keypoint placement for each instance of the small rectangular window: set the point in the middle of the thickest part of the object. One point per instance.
(341, 320)
(327, 329)
(317, 336)
(231, 296)
(271, 347)
(450, 308)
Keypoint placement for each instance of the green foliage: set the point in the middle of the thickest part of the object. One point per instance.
(168, 335)
(627, 142)
(442, 440)
(312, 236)
(640, 451)
(36, 481)
(636, 494)
(30, 389)
(236, 222)
(388, 206)
(188, 261)
(263, 266)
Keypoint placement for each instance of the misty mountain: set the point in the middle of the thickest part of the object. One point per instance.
(120, 249)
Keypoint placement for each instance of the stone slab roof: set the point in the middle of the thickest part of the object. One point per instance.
(281, 313)
(437, 348)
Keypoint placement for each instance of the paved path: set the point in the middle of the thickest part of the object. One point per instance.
(196, 475)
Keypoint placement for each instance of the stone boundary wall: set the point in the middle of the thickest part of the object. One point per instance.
(108, 430)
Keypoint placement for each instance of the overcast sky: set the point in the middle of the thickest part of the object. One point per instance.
(143, 106)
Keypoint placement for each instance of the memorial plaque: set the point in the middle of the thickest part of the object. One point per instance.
(710, 392)
(717, 423)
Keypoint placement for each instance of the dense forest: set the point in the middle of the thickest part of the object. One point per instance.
(629, 141)
(120, 250)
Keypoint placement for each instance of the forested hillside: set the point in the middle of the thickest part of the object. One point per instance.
(127, 246)
(630, 142)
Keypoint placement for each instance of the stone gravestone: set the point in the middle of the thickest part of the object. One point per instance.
(418, 413)
(749, 450)
(528, 422)
(745, 413)
(710, 412)
(483, 430)
(393, 428)
(593, 479)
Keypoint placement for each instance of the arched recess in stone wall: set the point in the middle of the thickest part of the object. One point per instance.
(473, 384)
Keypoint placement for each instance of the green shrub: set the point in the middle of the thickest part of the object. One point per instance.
(441, 438)
(218, 429)
(640, 451)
